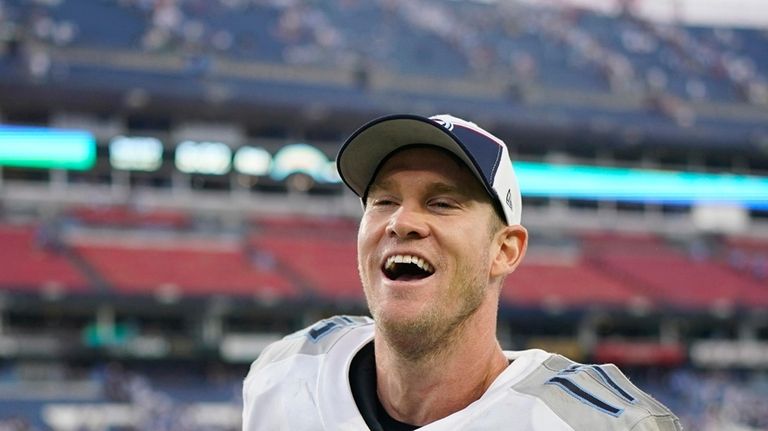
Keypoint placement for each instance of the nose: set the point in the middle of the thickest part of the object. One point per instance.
(407, 222)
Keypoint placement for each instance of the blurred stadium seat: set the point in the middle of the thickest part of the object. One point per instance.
(201, 269)
(34, 261)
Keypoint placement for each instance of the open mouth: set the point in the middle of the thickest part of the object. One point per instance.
(405, 267)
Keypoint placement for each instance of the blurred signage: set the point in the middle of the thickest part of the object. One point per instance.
(107, 416)
(252, 161)
(40, 345)
(90, 416)
(47, 148)
(96, 335)
(213, 158)
(331, 173)
(132, 153)
(725, 354)
(245, 347)
(640, 185)
(303, 159)
(639, 353)
(720, 218)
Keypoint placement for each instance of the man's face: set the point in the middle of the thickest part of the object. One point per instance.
(424, 248)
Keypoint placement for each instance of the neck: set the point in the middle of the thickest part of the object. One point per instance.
(421, 391)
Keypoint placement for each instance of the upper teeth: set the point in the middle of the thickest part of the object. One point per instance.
(405, 258)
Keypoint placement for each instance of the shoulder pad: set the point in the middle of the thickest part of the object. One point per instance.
(596, 396)
(323, 328)
(313, 340)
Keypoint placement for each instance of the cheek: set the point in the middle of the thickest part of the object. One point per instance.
(475, 252)
(367, 238)
(363, 237)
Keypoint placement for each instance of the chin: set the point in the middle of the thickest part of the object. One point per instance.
(412, 336)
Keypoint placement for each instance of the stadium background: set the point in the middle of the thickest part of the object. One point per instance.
(168, 203)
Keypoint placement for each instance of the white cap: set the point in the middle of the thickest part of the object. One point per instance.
(486, 155)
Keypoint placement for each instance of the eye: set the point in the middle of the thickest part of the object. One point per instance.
(443, 204)
(382, 202)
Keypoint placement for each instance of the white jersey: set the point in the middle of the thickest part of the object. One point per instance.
(301, 383)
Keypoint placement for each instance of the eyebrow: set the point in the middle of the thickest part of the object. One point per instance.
(446, 188)
(432, 188)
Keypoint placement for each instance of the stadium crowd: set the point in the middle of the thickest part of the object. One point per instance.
(564, 47)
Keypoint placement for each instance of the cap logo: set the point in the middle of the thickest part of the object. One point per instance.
(509, 199)
(447, 124)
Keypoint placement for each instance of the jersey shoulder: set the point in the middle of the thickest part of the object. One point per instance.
(285, 378)
(314, 340)
(593, 397)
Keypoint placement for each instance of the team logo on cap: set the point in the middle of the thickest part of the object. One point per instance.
(445, 123)
(509, 199)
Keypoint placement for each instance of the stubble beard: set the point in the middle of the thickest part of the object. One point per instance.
(434, 332)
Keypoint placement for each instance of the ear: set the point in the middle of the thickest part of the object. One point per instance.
(512, 243)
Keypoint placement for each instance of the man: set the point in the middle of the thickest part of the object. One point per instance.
(440, 232)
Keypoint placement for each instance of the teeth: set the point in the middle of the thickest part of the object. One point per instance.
(404, 258)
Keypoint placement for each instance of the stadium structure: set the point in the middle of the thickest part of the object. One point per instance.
(169, 203)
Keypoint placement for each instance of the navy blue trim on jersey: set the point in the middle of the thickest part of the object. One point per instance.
(584, 396)
(615, 386)
(604, 376)
(571, 370)
(325, 327)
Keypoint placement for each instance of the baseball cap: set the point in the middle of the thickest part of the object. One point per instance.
(486, 155)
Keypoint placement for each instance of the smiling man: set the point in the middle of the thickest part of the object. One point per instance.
(439, 233)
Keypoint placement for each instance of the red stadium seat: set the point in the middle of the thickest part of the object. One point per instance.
(124, 216)
(574, 284)
(671, 277)
(327, 265)
(186, 268)
(32, 262)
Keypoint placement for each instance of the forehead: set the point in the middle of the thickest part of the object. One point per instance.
(433, 162)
